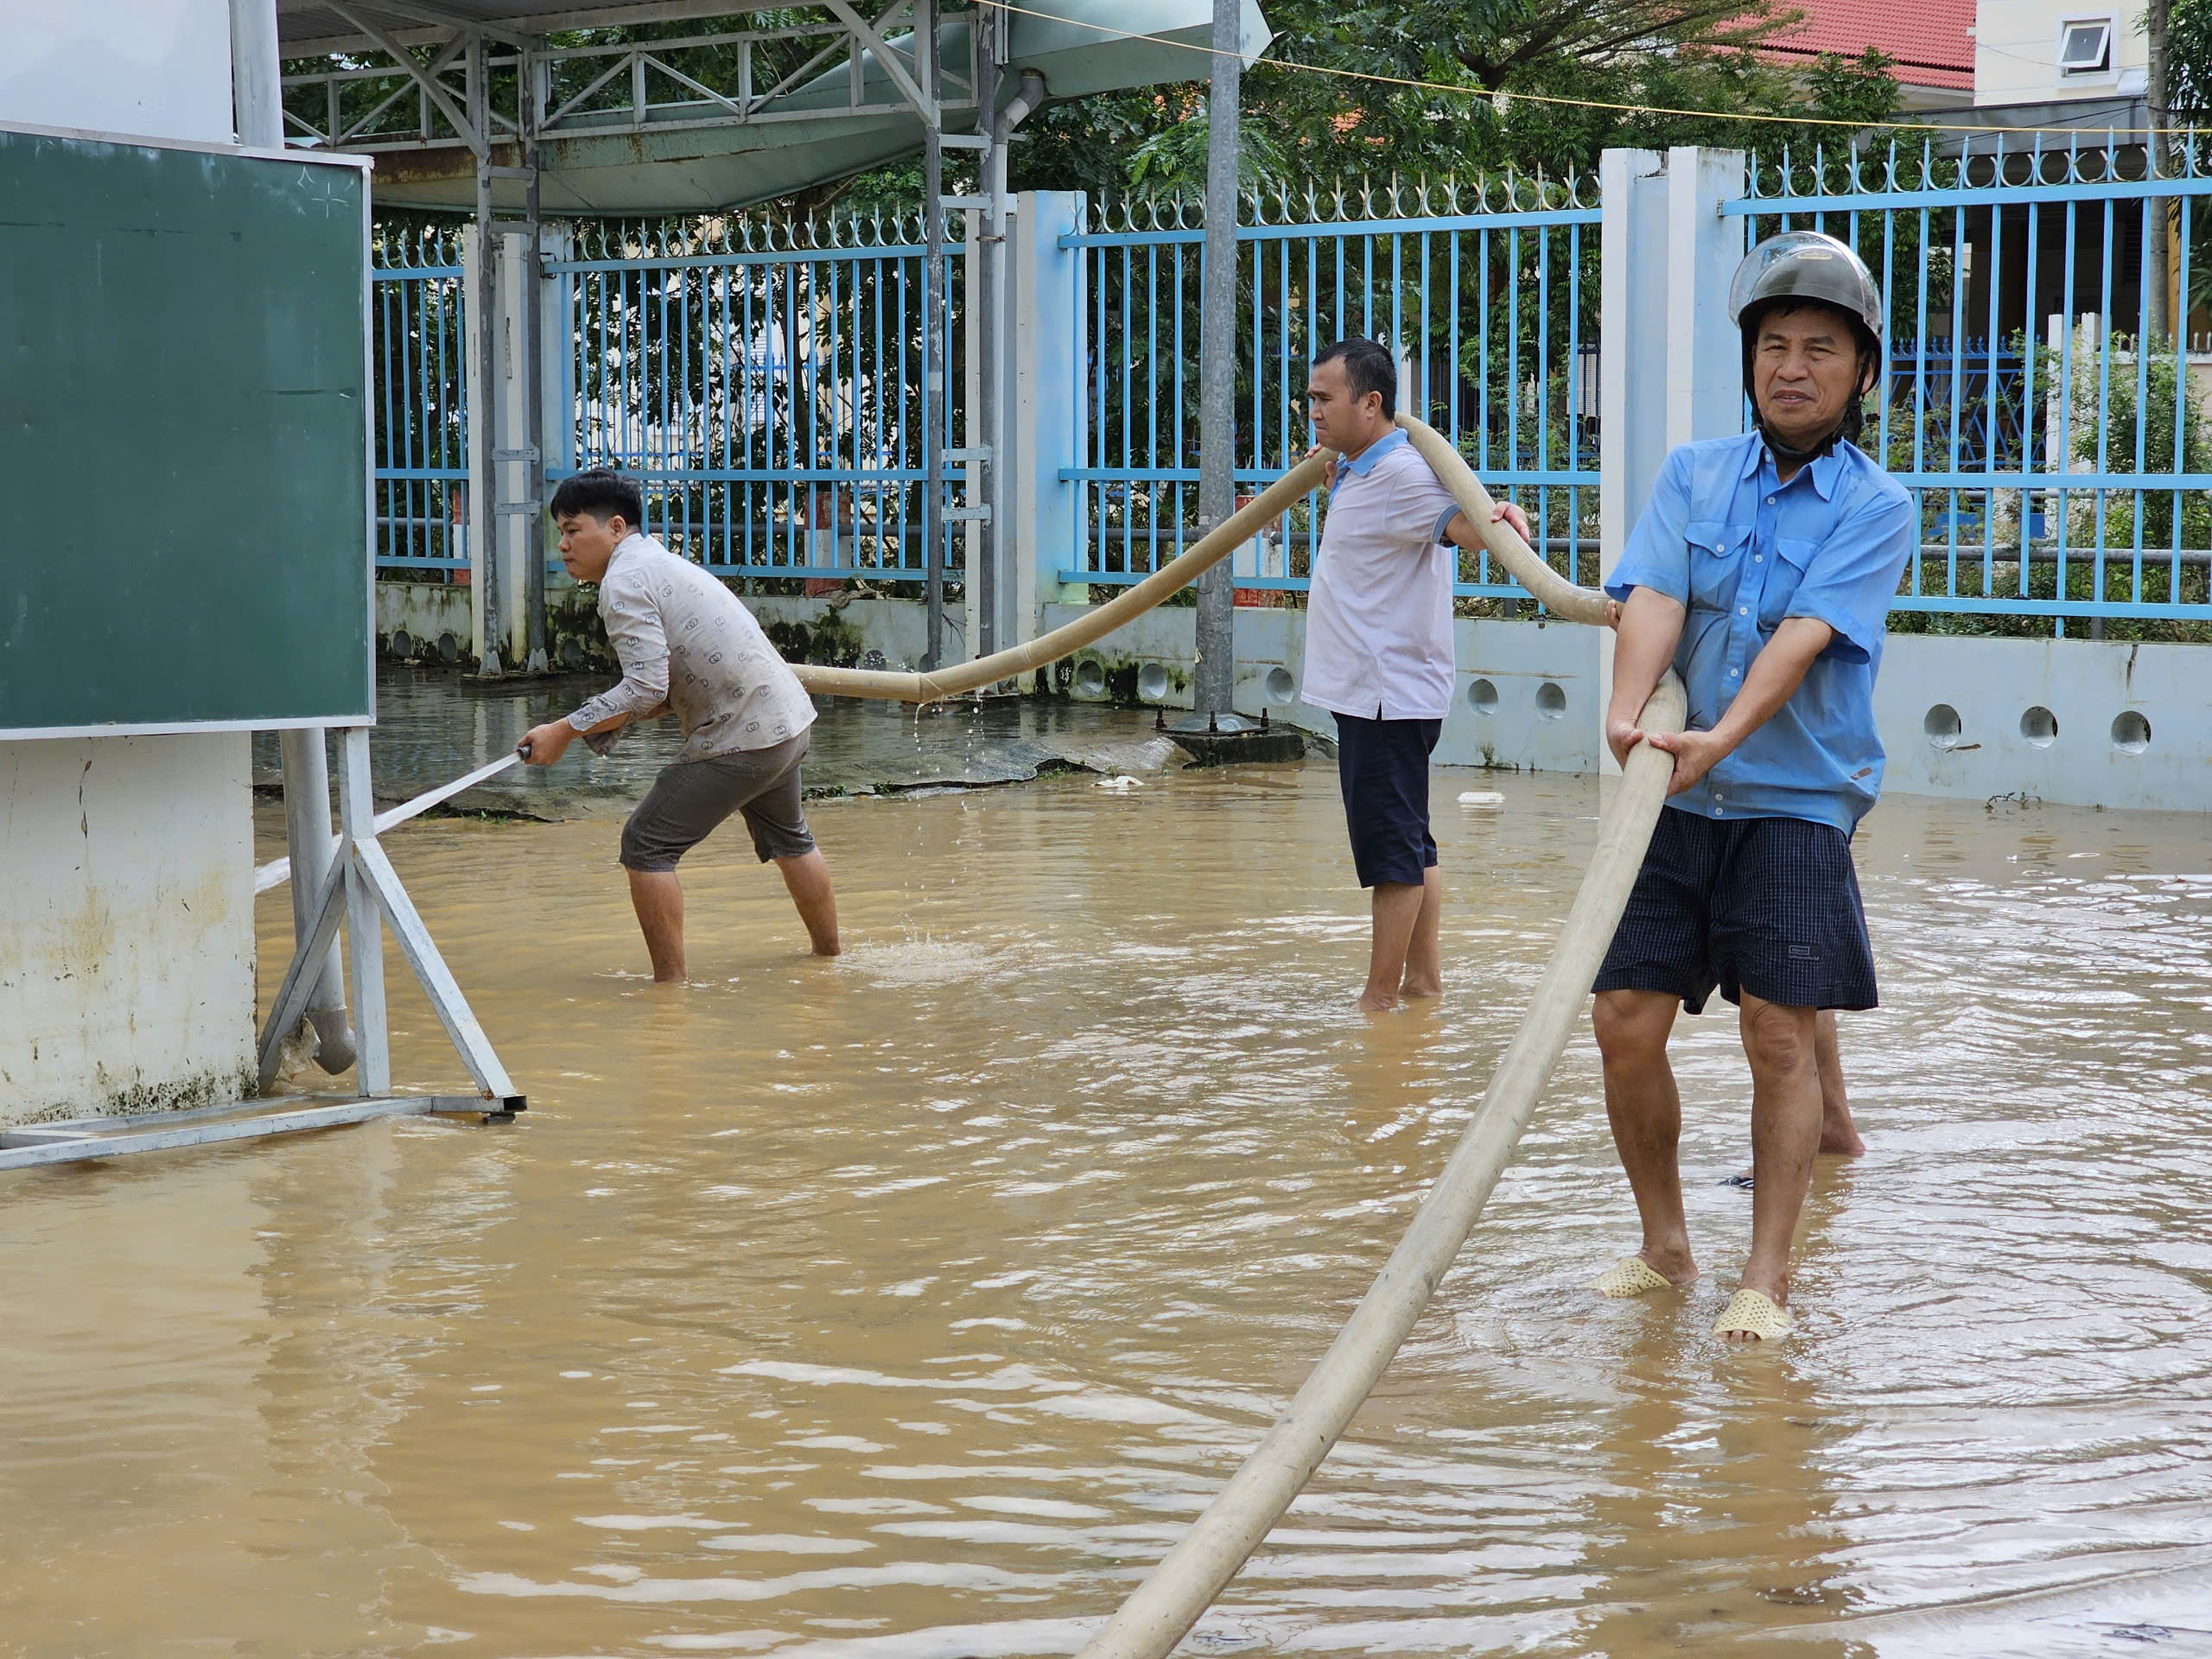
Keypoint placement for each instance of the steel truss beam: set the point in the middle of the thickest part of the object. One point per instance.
(662, 95)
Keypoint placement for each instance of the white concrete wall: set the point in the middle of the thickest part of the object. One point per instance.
(2085, 686)
(126, 925)
(1527, 694)
(2016, 51)
(126, 903)
(423, 610)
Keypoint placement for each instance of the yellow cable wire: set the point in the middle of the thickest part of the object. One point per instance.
(1008, 6)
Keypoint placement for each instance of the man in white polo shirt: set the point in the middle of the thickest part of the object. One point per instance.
(1378, 651)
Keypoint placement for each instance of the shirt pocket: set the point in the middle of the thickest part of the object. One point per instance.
(1715, 564)
(1793, 554)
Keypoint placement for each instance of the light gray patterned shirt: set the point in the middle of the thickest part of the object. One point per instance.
(685, 640)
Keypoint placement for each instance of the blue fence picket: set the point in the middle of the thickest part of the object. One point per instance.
(2050, 427)
(421, 450)
(1488, 294)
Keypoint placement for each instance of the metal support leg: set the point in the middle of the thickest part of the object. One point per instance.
(364, 925)
(306, 824)
(451, 1007)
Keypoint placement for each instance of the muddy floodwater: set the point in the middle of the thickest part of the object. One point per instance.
(907, 1306)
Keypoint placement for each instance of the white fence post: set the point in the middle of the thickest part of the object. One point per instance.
(1042, 434)
(1669, 367)
(1631, 367)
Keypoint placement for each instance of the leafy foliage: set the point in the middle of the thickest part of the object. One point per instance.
(1536, 86)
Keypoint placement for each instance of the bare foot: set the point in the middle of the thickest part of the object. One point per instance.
(1677, 1267)
(1422, 988)
(1842, 1139)
(1377, 1002)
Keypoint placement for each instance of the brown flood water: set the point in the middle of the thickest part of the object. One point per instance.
(907, 1306)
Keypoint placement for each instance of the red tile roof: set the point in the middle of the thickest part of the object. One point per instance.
(1932, 41)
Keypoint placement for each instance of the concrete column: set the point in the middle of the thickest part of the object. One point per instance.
(1669, 368)
(1705, 364)
(1042, 432)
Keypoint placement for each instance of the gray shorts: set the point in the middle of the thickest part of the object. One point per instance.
(691, 797)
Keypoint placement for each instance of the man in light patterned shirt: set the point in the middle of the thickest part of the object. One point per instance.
(687, 645)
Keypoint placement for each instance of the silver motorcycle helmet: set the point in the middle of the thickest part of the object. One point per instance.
(1801, 267)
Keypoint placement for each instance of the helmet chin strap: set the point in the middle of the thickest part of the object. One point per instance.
(1790, 453)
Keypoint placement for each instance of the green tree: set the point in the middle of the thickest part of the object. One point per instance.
(1461, 87)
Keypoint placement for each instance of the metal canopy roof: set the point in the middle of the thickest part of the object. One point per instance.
(635, 130)
(312, 27)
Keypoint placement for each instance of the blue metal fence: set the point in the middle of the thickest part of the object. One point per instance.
(763, 379)
(1488, 294)
(766, 379)
(2061, 466)
(417, 343)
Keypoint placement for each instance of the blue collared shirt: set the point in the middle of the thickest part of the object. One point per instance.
(1745, 552)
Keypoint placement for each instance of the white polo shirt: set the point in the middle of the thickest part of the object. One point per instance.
(1378, 619)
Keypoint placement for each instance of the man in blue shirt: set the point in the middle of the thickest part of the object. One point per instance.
(1762, 572)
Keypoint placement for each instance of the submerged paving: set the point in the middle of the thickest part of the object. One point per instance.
(432, 727)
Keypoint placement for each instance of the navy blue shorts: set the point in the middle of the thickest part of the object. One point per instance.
(1768, 905)
(1383, 767)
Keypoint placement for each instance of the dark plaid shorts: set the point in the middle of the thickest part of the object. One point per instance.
(1768, 905)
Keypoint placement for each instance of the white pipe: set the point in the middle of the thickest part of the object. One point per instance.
(1163, 1608)
(257, 74)
(306, 827)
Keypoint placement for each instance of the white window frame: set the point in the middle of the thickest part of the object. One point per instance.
(2106, 70)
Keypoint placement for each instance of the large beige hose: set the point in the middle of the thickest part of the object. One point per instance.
(1201, 556)
(1153, 1619)
(1554, 591)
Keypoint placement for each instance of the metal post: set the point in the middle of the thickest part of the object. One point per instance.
(933, 339)
(983, 419)
(1214, 684)
(257, 90)
(484, 471)
(529, 96)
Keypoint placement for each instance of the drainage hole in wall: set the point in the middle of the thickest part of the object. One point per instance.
(1551, 701)
(1481, 697)
(1152, 683)
(2131, 732)
(1279, 686)
(1089, 679)
(1942, 726)
(401, 643)
(2040, 726)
